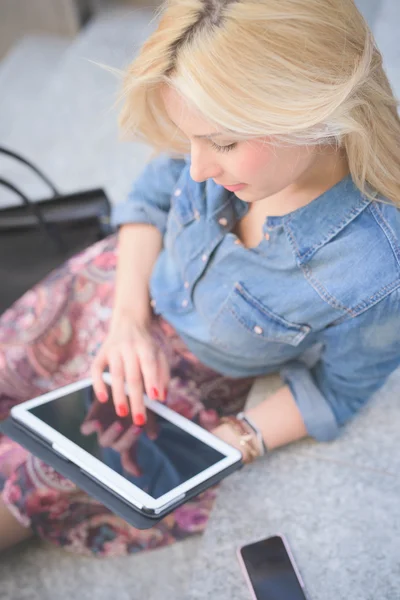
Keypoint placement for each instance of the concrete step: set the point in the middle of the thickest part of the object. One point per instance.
(73, 134)
(24, 72)
(40, 571)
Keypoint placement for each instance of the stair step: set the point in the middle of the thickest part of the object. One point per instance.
(24, 72)
(73, 134)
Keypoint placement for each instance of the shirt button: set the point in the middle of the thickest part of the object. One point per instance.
(204, 257)
(258, 330)
(185, 303)
(186, 284)
(222, 221)
(178, 192)
(267, 236)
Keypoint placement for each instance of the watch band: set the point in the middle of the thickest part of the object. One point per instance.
(243, 417)
(247, 440)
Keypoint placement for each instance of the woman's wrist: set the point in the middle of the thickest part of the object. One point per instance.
(239, 434)
(252, 427)
(140, 320)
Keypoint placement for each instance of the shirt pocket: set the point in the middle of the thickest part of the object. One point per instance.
(247, 327)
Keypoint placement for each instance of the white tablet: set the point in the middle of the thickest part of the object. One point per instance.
(170, 458)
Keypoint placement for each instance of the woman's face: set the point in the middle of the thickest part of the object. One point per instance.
(264, 168)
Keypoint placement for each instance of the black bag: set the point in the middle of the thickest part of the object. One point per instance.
(37, 237)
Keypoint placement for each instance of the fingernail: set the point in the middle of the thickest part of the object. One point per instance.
(122, 410)
(139, 420)
(154, 393)
(102, 397)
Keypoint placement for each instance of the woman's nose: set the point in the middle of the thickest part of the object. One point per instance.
(203, 167)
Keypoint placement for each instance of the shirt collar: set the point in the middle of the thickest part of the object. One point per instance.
(316, 223)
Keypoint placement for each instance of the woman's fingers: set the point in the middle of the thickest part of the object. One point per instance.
(152, 428)
(139, 362)
(117, 372)
(165, 375)
(95, 408)
(149, 364)
(111, 434)
(128, 462)
(128, 438)
(89, 427)
(97, 368)
(135, 388)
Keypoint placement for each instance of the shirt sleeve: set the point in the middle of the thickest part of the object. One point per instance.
(149, 200)
(357, 358)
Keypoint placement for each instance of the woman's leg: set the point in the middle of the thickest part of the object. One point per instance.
(57, 511)
(47, 340)
(12, 532)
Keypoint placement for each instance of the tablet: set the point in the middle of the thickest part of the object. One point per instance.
(166, 461)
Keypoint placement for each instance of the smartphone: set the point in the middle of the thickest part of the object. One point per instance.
(270, 570)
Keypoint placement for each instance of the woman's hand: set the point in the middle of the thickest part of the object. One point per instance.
(226, 434)
(209, 420)
(132, 356)
(117, 434)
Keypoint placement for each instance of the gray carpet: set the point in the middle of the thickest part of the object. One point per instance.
(38, 571)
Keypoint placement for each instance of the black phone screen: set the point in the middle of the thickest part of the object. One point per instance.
(270, 570)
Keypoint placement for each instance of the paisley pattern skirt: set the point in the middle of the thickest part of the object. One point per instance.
(48, 339)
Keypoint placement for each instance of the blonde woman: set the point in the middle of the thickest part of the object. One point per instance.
(264, 236)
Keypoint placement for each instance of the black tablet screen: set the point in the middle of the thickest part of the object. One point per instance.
(157, 458)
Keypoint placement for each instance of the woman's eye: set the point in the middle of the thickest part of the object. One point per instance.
(223, 148)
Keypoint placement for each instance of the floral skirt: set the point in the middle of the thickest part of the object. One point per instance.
(48, 339)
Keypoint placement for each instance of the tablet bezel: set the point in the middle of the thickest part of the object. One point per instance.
(104, 474)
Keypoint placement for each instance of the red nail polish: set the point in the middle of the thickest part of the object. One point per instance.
(122, 410)
(139, 420)
(102, 397)
(154, 393)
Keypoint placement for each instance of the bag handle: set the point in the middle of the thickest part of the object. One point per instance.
(26, 162)
(46, 227)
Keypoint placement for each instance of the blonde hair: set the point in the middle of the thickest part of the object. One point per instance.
(303, 71)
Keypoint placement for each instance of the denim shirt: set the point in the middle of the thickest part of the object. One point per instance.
(317, 300)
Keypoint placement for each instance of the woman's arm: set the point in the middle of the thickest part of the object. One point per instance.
(138, 248)
(129, 350)
(142, 219)
(359, 355)
(277, 417)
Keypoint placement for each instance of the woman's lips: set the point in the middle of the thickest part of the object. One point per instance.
(235, 188)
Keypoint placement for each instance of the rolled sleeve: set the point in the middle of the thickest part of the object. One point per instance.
(149, 201)
(358, 356)
(318, 417)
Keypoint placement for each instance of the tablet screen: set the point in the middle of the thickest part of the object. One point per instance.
(159, 459)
